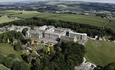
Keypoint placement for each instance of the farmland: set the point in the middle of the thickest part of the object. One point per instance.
(19, 14)
(2, 67)
(97, 52)
(11, 15)
(97, 21)
(81, 19)
(100, 52)
(4, 19)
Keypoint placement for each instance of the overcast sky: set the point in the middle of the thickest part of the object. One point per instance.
(107, 1)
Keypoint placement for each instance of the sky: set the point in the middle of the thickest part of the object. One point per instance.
(105, 1)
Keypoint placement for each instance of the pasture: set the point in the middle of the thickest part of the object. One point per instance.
(2, 67)
(81, 19)
(100, 52)
(6, 49)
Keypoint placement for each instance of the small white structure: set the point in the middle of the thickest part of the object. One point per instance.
(85, 66)
(17, 28)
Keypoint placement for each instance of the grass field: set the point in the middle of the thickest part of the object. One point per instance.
(6, 49)
(82, 19)
(97, 21)
(15, 14)
(100, 52)
(4, 19)
(20, 14)
(2, 67)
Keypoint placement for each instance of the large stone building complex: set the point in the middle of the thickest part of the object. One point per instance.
(50, 34)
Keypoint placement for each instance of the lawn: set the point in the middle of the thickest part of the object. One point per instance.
(6, 49)
(4, 19)
(2, 67)
(100, 52)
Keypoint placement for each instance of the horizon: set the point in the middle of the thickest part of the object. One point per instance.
(99, 1)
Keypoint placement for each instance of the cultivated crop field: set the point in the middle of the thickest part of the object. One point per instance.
(100, 52)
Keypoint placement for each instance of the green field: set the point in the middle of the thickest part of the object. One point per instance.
(2, 67)
(4, 15)
(6, 49)
(4, 19)
(82, 19)
(100, 52)
(97, 21)
(20, 14)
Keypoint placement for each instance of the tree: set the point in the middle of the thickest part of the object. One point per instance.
(18, 46)
(73, 53)
(10, 36)
(20, 65)
(70, 55)
(1, 58)
(110, 66)
(24, 31)
(98, 68)
(8, 61)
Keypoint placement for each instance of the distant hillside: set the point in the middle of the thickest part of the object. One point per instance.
(57, 6)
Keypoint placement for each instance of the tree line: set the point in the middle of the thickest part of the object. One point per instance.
(91, 30)
(64, 57)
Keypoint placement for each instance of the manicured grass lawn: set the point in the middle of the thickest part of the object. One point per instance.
(100, 52)
(6, 49)
(2, 67)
